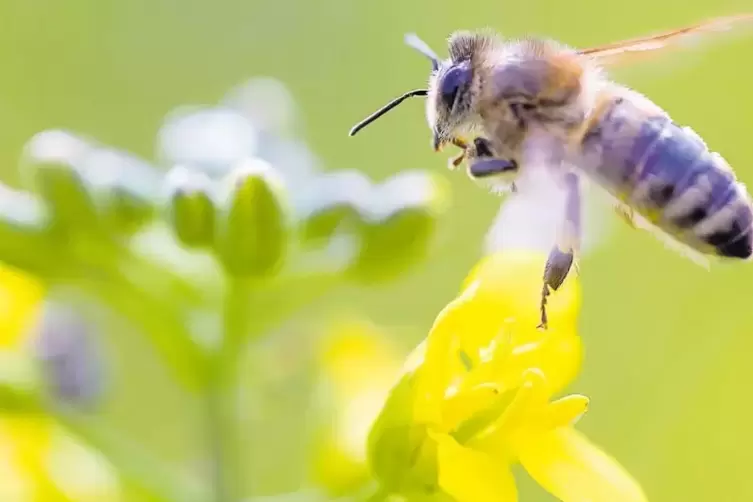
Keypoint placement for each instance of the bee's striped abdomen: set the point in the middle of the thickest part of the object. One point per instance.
(667, 174)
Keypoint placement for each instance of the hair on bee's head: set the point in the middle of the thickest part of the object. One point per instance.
(413, 41)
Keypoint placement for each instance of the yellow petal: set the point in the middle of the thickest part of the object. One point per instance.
(20, 297)
(565, 411)
(557, 353)
(570, 467)
(28, 441)
(471, 476)
(526, 407)
(460, 406)
(499, 316)
(530, 398)
(356, 352)
(511, 282)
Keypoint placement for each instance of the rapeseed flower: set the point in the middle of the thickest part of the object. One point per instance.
(39, 461)
(477, 397)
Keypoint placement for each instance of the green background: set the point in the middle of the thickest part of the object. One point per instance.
(668, 344)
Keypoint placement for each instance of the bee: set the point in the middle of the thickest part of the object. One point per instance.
(512, 104)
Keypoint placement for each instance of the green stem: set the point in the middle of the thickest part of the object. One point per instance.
(222, 395)
(221, 450)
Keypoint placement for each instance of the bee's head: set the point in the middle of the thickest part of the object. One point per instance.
(452, 86)
(448, 104)
(449, 94)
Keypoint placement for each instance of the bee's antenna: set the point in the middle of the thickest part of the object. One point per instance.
(413, 41)
(389, 106)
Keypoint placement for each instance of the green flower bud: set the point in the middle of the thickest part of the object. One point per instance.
(24, 231)
(252, 229)
(91, 188)
(330, 204)
(397, 226)
(190, 206)
(124, 188)
(51, 158)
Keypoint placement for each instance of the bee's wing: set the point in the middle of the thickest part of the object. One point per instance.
(638, 49)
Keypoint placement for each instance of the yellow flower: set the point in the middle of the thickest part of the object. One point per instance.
(357, 366)
(40, 462)
(476, 398)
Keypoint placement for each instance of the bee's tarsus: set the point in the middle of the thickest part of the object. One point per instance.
(556, 270)
(544, 324)
(454, 162)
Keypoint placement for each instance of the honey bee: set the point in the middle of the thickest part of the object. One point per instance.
(512, 104)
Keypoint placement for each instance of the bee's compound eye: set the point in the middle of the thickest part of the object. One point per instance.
(457, 77)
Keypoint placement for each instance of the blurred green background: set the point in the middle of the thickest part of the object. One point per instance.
(667, 343)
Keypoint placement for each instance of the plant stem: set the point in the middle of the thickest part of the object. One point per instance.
(222, 397)
(222, 451)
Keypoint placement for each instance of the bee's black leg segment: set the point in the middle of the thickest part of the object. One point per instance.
(562, 255)
(555, 272)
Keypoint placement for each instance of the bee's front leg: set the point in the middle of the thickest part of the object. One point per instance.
(454, 162)
(562, 255)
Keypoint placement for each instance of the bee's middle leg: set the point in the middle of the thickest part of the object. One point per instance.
(562, 255)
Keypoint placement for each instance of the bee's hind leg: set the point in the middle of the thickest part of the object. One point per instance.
(555, 272)
(562, 255)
